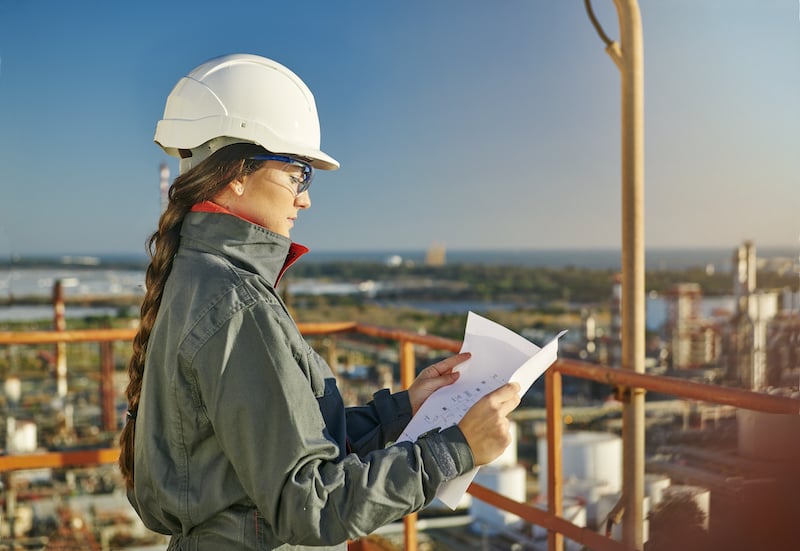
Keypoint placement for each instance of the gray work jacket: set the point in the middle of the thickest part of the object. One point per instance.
(242, 440)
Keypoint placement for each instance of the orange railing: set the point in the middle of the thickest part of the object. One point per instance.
(551, 519)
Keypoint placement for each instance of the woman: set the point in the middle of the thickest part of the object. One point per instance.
(236, 428)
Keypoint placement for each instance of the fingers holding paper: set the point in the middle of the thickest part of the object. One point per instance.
(486, 426)
(433, 378)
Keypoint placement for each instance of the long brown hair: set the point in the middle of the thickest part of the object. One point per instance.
(201, 183)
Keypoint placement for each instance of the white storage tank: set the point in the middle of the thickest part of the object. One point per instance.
(654, 486)
(506, 480)
(587, 492)
(13, 390)
(574, 511)
(21, 436)
(586, 455)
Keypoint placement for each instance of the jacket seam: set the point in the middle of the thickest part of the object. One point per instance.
(240, 292)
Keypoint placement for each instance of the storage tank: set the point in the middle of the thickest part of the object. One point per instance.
(506, 480)
(13, 390)
(574, 511)
(587, 492)
(586, 455)
(21, 436)
(654, 486)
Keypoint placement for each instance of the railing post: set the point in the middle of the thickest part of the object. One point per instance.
(407, 374)
(555, 494)
(629, 57)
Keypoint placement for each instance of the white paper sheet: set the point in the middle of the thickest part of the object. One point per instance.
(498, 356)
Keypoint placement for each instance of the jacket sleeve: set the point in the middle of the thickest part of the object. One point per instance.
(381, 421)
(266, 417)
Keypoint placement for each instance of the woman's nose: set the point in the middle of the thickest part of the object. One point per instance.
(303, 201)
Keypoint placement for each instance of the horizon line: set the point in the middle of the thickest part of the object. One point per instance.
(396, 250)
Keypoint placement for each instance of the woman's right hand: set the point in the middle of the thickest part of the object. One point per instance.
(486, 426)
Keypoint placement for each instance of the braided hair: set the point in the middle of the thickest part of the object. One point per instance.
(201, 183)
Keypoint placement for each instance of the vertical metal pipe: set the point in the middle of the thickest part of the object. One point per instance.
(407, 374)
(631, 64)
(555, 470)
(60, 324)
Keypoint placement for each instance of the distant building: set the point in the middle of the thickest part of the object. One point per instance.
(744, 269)
(394, 261)
(436, 255)
(695, 342)
(783, 349)
(762, 307)
(746, 339)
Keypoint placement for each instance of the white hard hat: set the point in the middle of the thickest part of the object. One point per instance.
(241, 98)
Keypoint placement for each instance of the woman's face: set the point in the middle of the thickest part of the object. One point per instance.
(267, 197)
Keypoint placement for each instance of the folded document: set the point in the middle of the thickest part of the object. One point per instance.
(498, 356)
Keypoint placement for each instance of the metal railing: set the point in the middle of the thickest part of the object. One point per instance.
(550, 519)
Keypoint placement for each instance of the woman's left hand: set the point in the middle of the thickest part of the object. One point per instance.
(432, 378)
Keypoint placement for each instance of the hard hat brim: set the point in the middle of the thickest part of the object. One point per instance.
(178, 134)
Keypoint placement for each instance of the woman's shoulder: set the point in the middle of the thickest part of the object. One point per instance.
(206, 292)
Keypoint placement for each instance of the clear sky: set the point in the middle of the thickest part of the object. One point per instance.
(479, 124)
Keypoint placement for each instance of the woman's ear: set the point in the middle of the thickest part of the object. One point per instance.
(237, 187)
(228, 195)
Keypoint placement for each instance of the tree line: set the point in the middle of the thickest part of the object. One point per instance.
(507, 283)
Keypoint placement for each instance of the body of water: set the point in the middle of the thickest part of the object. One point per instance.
(39, 313)
(39, 282)
(75, 282)
(99, 281)
(610, 258)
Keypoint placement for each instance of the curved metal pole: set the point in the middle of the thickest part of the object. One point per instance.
(629, 57)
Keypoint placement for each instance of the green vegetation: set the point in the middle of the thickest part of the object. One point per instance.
(546, 298)
(524, 285)
(442, 325)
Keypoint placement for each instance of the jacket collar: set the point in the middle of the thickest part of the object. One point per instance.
(211, 228)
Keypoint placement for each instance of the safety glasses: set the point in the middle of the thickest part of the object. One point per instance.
(301, 180)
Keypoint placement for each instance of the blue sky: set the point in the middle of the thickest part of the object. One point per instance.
(476, 124)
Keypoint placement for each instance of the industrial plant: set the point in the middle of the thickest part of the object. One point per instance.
(714, 461)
